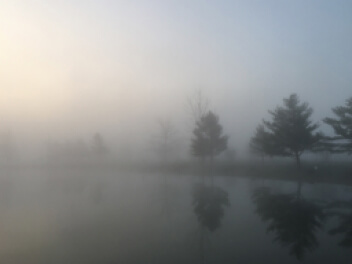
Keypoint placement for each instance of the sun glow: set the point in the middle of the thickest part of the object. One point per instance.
(33, 83)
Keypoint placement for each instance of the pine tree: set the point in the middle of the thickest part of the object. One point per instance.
(342, 125)
(208, 140)
(289, 133)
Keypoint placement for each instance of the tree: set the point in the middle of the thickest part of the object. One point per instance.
(163, 141)
(208, 140)
(290, 133)
(262, 143)
(342, 125)
(197, 105)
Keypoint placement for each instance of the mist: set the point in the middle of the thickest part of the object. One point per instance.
(71, 69)
(154, 125)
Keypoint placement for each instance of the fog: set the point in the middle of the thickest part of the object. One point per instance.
(132, 131)
(70, 69)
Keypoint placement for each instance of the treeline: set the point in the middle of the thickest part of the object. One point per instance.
(78, 150)
(291, 132)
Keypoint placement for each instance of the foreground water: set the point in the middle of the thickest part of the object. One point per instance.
(103, 216)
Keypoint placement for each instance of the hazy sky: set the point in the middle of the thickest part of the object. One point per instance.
(71, 68)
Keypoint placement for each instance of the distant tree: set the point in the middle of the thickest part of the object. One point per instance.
(342, 125)
(197, 105)
(290, 133)
(99, 147)
(162, 141)
(208, 140)
(69, 151)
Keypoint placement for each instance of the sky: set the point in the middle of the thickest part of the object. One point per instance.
(69, 69)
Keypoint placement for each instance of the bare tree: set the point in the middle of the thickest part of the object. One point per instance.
(197, 105)
(162, 141)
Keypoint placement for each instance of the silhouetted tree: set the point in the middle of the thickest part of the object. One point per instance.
(290, 132)
(263, 142)
(208, 140)
(342, 125)
(293, 220)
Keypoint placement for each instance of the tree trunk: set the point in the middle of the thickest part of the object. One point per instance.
(298, 160)
(211, 170)
(202, 170)
(201, 246)
(299, 188)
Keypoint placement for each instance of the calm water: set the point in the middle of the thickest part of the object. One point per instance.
(96, 216)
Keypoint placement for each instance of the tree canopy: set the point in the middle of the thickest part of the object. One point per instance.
(289, 133)
(262, 143)
(208, 140)
(342, 125)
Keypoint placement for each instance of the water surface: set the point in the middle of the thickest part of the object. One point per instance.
(105, 216)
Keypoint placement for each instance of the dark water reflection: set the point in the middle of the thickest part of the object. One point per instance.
(95, 216)
(293, 219)
(208, 205)
(343, 211)
(209, 202)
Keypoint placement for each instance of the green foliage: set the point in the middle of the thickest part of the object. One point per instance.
(342, 126)
(289, 133)
(262, 143)
(208, 140)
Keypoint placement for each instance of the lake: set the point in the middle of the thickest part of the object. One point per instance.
(106, 216)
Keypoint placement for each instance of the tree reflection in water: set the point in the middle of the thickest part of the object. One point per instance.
(292, 219)
(209, 206)
(343, 211)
